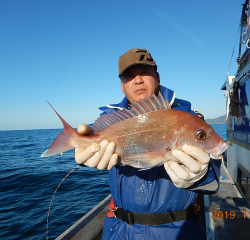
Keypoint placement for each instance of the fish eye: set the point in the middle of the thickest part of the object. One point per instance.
(201, 135)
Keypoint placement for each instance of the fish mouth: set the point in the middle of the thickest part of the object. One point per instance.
(217, 152)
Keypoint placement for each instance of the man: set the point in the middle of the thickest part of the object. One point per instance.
(154, 203)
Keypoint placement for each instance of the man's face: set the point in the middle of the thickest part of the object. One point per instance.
(138, 81)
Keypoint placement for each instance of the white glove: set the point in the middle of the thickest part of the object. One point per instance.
(98, 156)
(187, 166)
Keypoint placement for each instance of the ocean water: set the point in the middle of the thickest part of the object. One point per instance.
(27, 183)
(221, 130)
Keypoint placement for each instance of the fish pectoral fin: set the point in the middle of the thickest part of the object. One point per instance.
(143, 169)
(146, 160)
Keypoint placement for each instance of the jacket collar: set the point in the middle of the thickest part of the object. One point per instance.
(168, 94)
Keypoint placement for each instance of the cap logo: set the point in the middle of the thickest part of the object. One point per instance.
(141, 57)
(141, 51)
(148, 59)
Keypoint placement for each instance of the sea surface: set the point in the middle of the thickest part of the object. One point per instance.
(27, 183)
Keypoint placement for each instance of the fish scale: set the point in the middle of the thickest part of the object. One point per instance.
(134, 137)
(144, 135)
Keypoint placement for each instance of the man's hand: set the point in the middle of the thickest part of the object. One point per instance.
(98, 156)
(187, 166)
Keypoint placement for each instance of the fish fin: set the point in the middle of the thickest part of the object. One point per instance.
(143, 169)
(107, 120)
(139, 107)
(146, 160)
(128, 112)
(66, 140)
(155, 103)
(142, 162)
(164, 103)
(143, 106)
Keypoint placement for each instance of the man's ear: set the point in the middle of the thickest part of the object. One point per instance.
(122, 86)
(157, 77)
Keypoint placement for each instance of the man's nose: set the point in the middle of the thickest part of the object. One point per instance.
(138, 79)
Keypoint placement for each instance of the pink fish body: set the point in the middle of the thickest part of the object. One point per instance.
(144, 135)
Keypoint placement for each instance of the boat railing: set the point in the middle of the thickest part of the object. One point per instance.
(90, 225)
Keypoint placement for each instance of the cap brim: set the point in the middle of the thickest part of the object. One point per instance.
(153, 65)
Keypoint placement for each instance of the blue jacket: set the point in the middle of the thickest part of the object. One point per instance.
(152, 191)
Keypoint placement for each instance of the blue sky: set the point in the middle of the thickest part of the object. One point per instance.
(67, 52)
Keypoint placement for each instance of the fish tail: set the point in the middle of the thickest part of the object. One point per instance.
(66, 140)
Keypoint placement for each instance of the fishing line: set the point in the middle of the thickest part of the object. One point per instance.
(233, 50)
(47, 227)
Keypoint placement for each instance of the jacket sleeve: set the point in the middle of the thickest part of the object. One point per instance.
(210, 183)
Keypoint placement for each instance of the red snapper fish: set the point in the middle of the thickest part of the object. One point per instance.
(145, 134)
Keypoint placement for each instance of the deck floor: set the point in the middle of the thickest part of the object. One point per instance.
(226, 213)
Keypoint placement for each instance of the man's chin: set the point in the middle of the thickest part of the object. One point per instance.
(140, 96)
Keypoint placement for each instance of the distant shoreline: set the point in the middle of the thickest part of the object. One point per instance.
(218, 120)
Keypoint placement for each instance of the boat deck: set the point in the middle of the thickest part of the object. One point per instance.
(227, 215)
